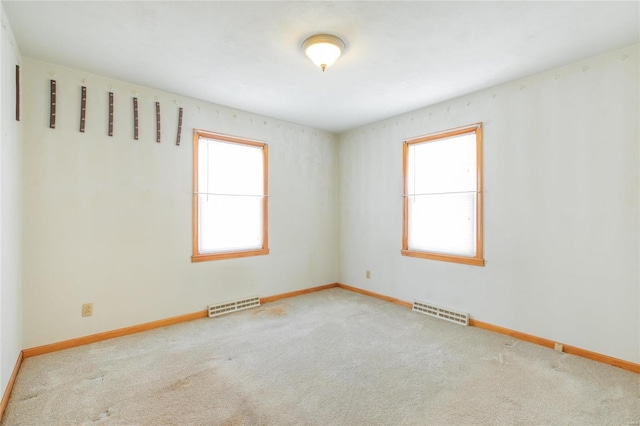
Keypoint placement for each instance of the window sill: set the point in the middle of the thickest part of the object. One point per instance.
(475, 261)
(228, 255)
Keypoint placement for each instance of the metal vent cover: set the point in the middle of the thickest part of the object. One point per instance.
(442, 313)
(233, 306)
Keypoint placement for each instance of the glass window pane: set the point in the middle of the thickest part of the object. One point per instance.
(447, 165)
(229, 223)
(443, 223)
(230, 168)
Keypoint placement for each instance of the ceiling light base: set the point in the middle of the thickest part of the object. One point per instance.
(323, 49)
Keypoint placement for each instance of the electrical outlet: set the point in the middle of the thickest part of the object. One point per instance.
(558, 347)
(87, 309)
(368, 274)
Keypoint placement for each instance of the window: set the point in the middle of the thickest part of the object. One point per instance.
(229, 197)
(443, 196)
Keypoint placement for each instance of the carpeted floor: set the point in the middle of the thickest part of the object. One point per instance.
(327, 358)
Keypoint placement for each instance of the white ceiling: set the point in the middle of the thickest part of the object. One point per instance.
(400, 55)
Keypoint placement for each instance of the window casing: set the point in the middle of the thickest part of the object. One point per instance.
(442, 197)
(230, 197)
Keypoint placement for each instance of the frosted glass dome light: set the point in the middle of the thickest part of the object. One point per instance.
(323, 49)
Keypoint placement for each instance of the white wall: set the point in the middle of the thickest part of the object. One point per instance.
(10, 210)
(108, 219)
(561, 193)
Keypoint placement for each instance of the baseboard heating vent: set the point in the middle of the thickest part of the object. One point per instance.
(233, 306)
(442, 313)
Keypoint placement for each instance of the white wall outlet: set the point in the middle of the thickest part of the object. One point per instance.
(558, 347)
(368, 274)
(87, 309)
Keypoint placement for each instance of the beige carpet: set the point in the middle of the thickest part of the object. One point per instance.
(327, 358)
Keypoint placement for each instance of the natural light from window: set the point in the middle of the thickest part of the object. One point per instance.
(230, 197)
(442, 193)
(443, 196)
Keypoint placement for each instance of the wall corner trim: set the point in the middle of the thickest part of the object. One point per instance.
(12, 379)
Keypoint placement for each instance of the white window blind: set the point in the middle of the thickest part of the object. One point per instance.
(441, 194)
(230, 196)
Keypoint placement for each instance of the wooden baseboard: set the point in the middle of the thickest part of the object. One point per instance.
(93, 338)
(12, 379)
(273, 298)
(39, 350)
(376, 295)
(79, 341)
(572, 350)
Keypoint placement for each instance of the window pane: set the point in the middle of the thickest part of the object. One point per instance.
(443, 223)
(229, 223)
(230, 168)
(447, 165)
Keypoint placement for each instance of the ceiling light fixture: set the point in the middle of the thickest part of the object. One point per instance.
(323, 49)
